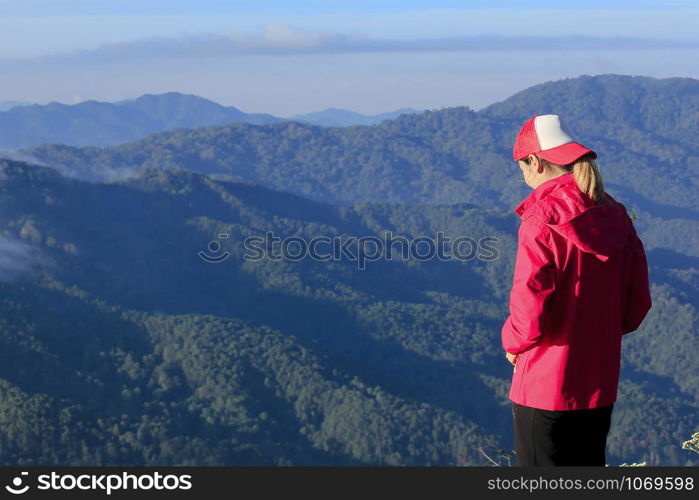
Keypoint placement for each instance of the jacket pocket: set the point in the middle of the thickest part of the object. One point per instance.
(521, 368)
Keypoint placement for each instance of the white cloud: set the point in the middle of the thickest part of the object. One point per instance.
(279, 39)
(17, 259)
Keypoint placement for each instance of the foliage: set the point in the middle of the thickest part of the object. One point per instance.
(119, 345)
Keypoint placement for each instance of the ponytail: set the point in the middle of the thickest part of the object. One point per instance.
(587, 176)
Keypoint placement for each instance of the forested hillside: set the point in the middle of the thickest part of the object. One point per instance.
(120, 345)
(644, 130)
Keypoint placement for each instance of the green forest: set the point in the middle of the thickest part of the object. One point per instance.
(120, 345)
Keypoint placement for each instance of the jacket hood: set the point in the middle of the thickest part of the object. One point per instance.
(601, 230)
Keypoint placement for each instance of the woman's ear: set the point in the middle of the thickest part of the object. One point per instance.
(535, 163)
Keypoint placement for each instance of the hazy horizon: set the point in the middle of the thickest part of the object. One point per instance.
(289, 58)
(132, 98)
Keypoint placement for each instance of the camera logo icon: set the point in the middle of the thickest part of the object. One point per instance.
(16, 487)
(214, 247)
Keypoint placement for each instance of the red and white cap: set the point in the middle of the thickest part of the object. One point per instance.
(546, 137)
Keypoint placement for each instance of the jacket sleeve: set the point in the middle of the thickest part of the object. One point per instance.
(534, 281)
(638, 300)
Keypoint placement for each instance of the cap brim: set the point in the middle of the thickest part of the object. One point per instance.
(565, 154)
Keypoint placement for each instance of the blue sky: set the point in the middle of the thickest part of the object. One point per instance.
(288, 57)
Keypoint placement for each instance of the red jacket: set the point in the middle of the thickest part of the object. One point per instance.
(580, 283)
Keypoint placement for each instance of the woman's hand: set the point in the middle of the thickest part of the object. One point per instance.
(512, 358)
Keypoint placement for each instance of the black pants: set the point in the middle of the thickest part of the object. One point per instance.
(571, 437)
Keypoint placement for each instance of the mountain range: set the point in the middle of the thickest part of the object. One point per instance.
(95, 123)
(334, 117)
(643, 130)
(122, 343)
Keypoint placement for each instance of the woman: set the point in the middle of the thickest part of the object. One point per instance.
(580, 283)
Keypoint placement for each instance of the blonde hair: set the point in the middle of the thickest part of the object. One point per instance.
(587, 176)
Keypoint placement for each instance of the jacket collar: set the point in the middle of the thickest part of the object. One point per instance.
(543, 190)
